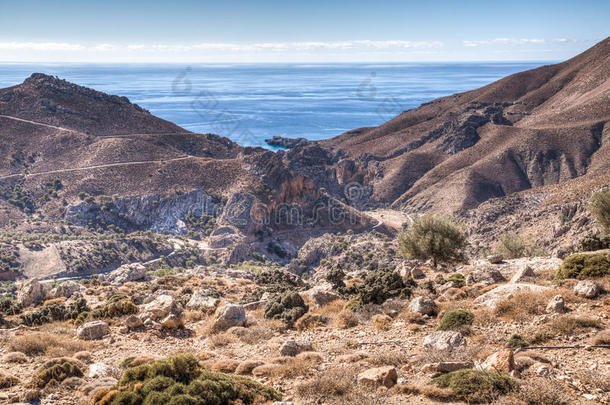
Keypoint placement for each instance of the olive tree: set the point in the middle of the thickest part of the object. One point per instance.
(433, 237)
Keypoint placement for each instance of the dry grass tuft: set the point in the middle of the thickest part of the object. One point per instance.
(523, 305)
(429, 391)
(345, 319)
(392, 357)
(602, 338)
(220, 340)
(293, 367)
(47, 343)
(564, 325)
(543, 391)
(256, 334)
(334, 382)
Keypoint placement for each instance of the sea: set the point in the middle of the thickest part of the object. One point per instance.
(249, 103)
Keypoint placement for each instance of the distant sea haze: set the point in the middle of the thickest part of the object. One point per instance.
(249, 103)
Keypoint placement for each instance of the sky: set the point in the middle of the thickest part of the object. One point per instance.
(254, 31)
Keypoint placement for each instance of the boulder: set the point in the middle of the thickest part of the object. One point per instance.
(423, 305)
(32, 292)
(66, 289)
(320, 296)
(160, 307)
(444, 340)
(126, 273)
(556, 305)
(99, 370)
(133, 322)
(201, 300)
(172, 321)
(374, 377)
(493, 297)
(93, 330)
(502, 361)
(525, 273)
(485, 276)
(495, 259)
(586, 288)
(293, 347)
(228, 316)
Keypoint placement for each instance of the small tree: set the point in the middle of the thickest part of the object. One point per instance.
(600, 208)
(433, 236)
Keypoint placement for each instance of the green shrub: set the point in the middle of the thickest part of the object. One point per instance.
(56, 371)
(513, 246)
(180, 380)
(381, 285)
(456, 319)
(288, 307)
(435, 237)
(458, 279)
(55, 312)
(583, 266)
(591, 243)
(600, 209)
(476, 385)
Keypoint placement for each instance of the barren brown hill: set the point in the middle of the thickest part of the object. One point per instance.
(534, 128)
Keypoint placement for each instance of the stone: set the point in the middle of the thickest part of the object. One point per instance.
(66, 289)
(228, 316)
(97, 370)
(293, 347)
(160, 307)
(423, 305)
(417, 273)
(444, 340)
(93, 330)
(32, 292)
(320, 296)
(485, 276)
(556, 305)
(200, 300)
(253, 306)
(586, 288)
(380, 376)
(495, 259)
(491, 298)
(246, 367)
(172, 321)
(133, 322)
(502, 361)
(15, 357)
(525, 273)
(127, 273)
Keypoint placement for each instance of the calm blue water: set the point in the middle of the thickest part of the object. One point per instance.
(249, 103)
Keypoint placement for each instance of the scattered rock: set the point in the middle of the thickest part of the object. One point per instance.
(172, 321)
(444, 340)
(93, 330)
(495, 259)
(97, 370)
(491, 298)
(159, 308)
(487, 276)
(201, 300)
(32, 292)
(524, 274)
(126, 273)
(228, 316)
(374, 377)
(293, 347)
(66, 289)
(556, 305)
(320, 295)
(502, 361)
(423, 305)
(586, 288)
(133, 322)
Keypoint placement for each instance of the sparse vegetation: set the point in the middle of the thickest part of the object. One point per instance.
(456, 319)
(55, 371)
(476, 385)
(584, 266)
(288, 307)
(379, 286)
(600, 209)
(181, 379)
(433, 237)
(513, 246)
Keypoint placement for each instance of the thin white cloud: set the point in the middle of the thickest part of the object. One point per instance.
(41, 46)
(504, 41)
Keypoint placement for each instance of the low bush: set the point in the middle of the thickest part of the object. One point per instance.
(381, 285)
(600, 208)
(476, 385)
(179, 380)
(40, 343)
(7, 381)
(55, 371)
(583, 266)
(287, 307)
(564, 325)
(54, 312)
(456, 319)
(458, 279)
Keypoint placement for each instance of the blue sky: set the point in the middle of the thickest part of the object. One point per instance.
(306, 31)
